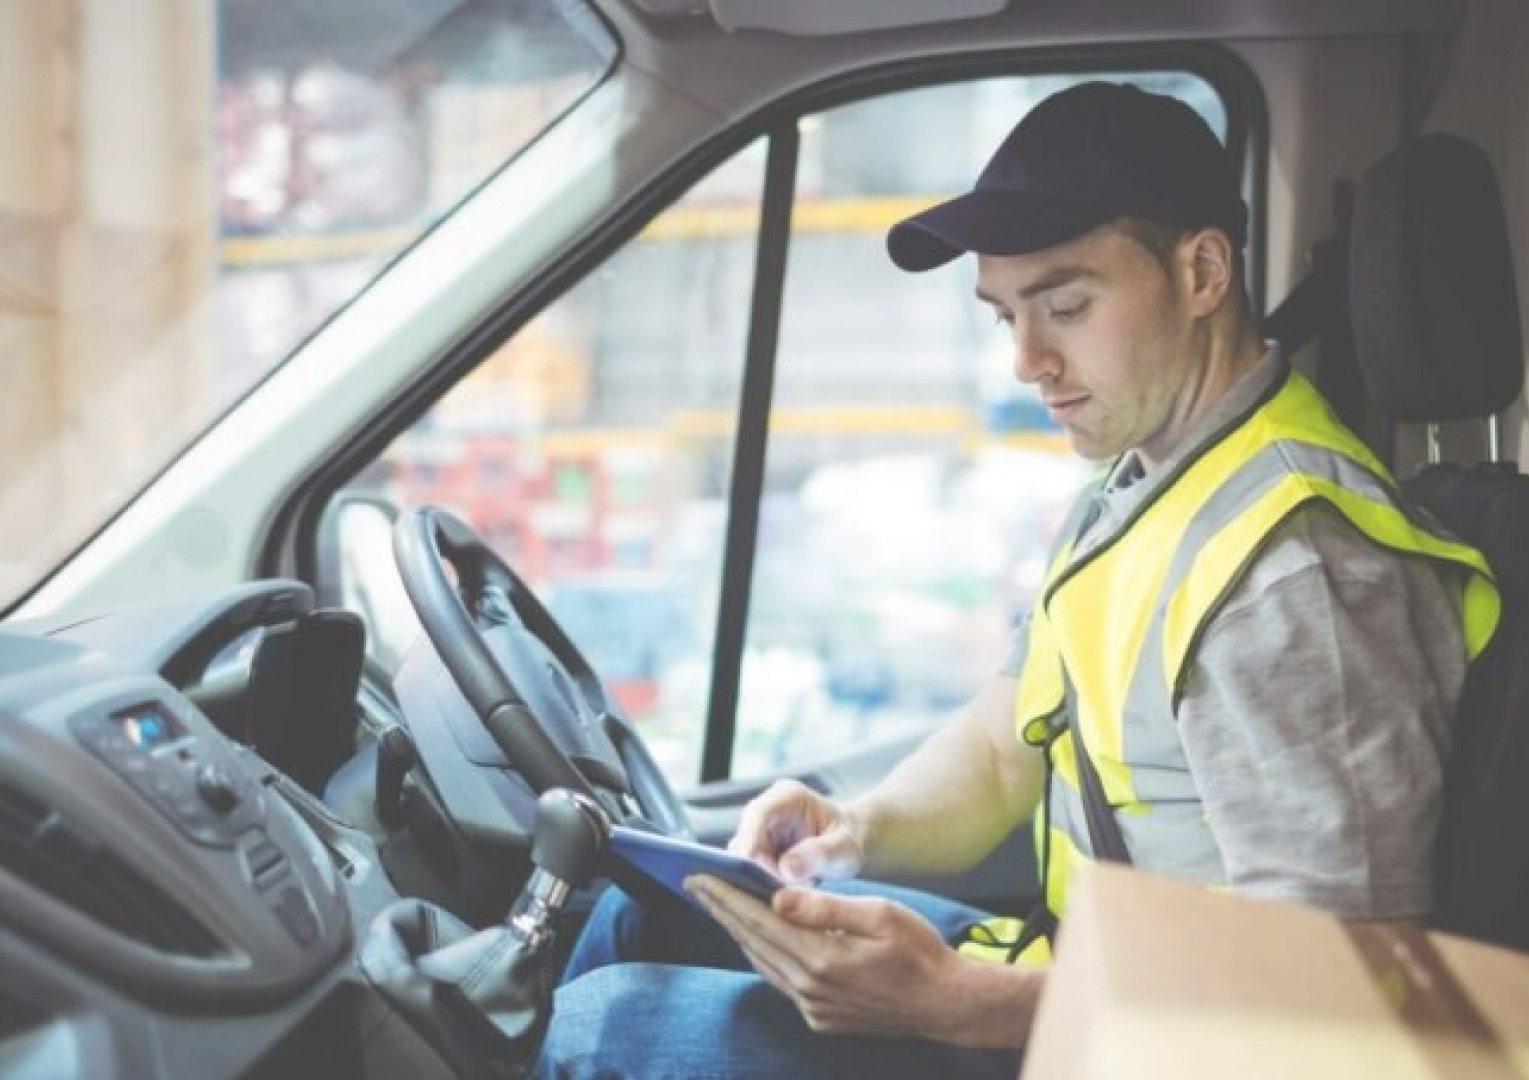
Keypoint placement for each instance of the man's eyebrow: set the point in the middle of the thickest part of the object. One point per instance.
(1051, 279)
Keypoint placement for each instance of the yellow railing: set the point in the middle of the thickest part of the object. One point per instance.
(700, 425)
(684, 222)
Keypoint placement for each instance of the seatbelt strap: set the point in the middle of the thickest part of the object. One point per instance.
(1104, 834)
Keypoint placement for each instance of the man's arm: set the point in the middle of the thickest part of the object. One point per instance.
(1316, 721)
(944, 807)
(955, 798)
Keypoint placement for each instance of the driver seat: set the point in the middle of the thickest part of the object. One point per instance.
(1436, 329)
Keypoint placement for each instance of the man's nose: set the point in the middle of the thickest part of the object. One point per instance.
(1034, 359)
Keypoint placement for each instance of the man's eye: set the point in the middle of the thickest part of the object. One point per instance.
(1069, 312)
(1003, 318)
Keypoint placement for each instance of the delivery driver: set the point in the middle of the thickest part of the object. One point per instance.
(1260, 646)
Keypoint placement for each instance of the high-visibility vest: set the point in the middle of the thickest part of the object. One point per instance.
(1112, 637)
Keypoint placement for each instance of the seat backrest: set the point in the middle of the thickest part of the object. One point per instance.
(1482, 879)
(1436, 332)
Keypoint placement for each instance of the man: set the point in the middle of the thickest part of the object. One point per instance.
(1258, 646)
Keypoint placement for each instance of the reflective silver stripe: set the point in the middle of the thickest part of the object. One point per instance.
(1263, 470)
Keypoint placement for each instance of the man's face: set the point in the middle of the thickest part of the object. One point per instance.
(1104, 332)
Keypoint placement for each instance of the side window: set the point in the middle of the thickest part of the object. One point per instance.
(912, 486)
(594, 452)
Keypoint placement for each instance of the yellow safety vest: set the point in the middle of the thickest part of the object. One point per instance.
(1111, 640)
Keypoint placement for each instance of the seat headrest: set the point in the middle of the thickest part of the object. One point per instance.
(1431, 290)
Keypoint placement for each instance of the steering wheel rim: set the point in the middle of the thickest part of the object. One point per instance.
(428, 540)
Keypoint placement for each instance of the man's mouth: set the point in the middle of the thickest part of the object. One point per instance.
(1061, 408)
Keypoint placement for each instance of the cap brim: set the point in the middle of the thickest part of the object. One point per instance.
(988, 223)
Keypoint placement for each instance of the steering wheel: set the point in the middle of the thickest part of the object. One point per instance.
(530, 687)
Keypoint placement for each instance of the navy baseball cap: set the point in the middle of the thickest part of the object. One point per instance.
(1084, 156)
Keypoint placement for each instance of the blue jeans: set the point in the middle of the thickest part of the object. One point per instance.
(664, 994)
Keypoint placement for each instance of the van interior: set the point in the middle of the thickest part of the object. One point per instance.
(412, 409)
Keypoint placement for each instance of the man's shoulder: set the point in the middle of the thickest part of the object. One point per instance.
(1316, 541)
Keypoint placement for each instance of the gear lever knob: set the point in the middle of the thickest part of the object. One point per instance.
(571, 832)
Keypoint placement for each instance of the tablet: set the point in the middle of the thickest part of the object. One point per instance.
(669, 862)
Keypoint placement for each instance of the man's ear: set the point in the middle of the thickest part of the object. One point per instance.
(1211, 269)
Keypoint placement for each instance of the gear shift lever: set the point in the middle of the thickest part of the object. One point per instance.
(570, 836)
(482, 1000)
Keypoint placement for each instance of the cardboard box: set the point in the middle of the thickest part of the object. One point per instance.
(1158, 979)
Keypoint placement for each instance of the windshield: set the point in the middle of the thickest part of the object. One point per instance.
(183, 204)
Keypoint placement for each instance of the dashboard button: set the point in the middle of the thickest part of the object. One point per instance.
(264, 861)
(207, 833)
(216, 789)
(295, 913)
(134, 766)
(163, 786)
(109, 743)
(188, 810)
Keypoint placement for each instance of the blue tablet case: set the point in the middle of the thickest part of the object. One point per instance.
(669, 862)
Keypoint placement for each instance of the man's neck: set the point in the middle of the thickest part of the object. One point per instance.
(1231, 349)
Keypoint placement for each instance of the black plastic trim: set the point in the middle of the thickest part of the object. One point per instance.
(747, 486)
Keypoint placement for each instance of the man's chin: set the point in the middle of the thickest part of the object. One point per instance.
(1090, 449)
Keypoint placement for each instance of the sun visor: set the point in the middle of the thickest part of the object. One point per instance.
(673, 9)
(815, 18)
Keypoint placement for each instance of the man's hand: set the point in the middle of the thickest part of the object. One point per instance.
(799, 834)
(859, 965)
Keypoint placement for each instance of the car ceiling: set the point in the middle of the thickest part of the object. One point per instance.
(274, 33)
(732, 56)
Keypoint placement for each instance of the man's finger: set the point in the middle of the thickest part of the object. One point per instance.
(758, 836)
(768, 971)
(747, 840)
(813, 909)
(754, 927)
(741, 909)
(751, 829)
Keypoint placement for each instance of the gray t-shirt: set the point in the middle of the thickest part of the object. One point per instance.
(1316, 714)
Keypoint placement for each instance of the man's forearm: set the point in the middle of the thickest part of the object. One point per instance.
(955, 798)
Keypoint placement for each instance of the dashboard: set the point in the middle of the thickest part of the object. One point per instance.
(197, 876)
(172, 903)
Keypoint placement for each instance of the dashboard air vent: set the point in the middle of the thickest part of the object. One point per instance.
(37, 846)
